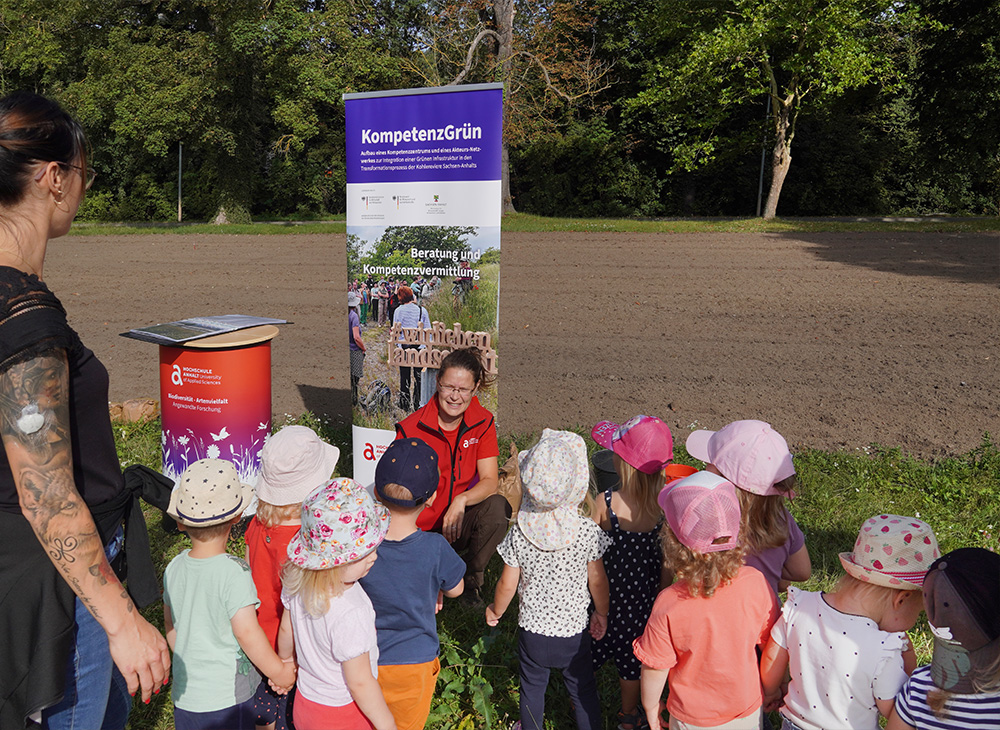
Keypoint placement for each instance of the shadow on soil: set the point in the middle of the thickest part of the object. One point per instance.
(966, 258)
(334, 403)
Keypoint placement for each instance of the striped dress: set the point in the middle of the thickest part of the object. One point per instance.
(961, 712)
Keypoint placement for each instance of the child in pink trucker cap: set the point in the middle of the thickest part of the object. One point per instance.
(755, 458)
(846, 650)
(704, 631)
(643, 449)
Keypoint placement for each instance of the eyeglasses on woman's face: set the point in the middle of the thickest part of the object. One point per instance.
(88, 174)
(462, 393)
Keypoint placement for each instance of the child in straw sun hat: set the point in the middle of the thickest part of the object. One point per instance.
(704, 630)
(960, 688)
(293, 462)
(847, 650)
(552, 559)
(329, 622)
(209, 606)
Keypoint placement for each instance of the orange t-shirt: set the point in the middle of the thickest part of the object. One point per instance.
(267, 551)
(709, 647)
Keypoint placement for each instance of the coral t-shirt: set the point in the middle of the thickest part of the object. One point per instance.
(267, 551)
(709, 645)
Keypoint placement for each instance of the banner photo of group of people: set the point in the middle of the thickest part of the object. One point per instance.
(423, 248)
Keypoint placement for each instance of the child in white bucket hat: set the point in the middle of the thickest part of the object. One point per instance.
(293, 462)
(329, 622)
(847, 650)
(552, 560)
(209, 606)
(704, 630)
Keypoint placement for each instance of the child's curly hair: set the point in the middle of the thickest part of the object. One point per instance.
(703, 572)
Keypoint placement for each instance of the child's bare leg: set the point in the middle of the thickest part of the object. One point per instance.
(630, 695)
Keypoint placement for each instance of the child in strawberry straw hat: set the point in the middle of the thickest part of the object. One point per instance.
(847, 651)
(552, 559)
(329, 622)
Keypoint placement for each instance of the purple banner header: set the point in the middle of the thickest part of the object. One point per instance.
(425, 137)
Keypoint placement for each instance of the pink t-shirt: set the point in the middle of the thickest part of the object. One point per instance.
(709, 647)
(324, 643)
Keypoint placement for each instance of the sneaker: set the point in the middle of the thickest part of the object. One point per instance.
(633, 720)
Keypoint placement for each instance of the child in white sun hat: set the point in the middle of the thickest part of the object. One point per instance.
(755, 458)
(847, 651)
(552, 560)
(329, 621)
(704, 631)
(209, 606)
(293, 462)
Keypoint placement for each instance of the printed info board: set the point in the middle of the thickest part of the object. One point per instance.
(423, 212)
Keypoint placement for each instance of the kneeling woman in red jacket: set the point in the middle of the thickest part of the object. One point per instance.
(466, 508)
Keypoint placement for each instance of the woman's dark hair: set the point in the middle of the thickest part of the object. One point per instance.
(33, 129)
(405, 294)
(467, 358)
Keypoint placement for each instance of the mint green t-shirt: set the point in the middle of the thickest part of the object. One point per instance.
(210, 670)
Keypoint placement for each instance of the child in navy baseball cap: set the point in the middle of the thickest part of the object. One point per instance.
(414, 570)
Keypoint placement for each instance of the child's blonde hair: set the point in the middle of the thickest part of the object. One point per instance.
(764, 520)
(987, 682)
(875, 600)
(704, 573)
(397, 491)
(270, 515)
(210, 532)
(315, 587)
(639, 489)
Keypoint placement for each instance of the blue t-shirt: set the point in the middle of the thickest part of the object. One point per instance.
(403, 586)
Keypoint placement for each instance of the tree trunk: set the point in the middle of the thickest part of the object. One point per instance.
(506, 201)
(781, 158)
(503, 12)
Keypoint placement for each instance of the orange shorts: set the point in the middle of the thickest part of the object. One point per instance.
(408, 690)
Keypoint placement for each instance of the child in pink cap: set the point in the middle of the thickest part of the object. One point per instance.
(705, 629)
(847, 651)
(643, 448)
(755, 458)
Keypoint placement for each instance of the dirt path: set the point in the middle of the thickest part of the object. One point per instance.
(839, 340)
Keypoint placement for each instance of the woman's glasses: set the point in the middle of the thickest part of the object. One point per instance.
(87, 174)
(462, 393)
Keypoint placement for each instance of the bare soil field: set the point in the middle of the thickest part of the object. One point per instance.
(840, 340)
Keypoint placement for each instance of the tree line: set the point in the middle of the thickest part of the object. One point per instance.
(611, 107)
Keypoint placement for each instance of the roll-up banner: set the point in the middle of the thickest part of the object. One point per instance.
(423, 212)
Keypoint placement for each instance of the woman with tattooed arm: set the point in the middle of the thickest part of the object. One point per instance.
(73, 641)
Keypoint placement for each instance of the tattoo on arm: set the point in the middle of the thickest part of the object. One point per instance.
(35, 428)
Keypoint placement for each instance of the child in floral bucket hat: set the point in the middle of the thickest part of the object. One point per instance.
(552, 559)
(329, 622)
(847, 650)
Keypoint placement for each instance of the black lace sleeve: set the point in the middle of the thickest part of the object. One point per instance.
(32, 320)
